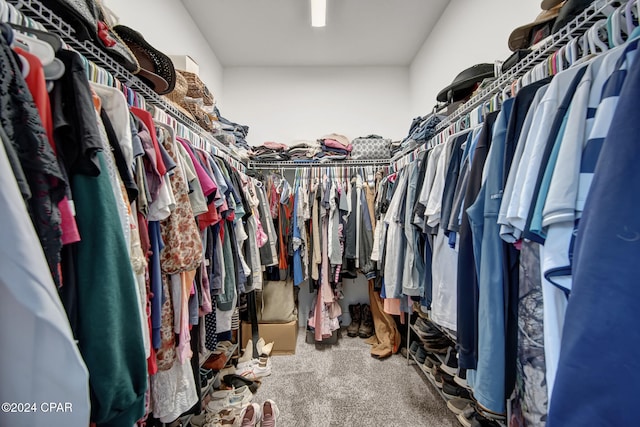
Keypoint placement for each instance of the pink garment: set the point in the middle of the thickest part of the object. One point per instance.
(332, 143)
(327, 292)
(207, 184)
(275, 145)
(261, 236)
(392, 306)
(70, 233)
(185, 281)
(337, 137)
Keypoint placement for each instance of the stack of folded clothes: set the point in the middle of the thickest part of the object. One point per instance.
(303, 151)
(270, 151)
(422, 130)
(334, 147)
(231, 130)
(396, 147)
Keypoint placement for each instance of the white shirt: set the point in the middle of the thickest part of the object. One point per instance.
(527, 174)
(507, 232)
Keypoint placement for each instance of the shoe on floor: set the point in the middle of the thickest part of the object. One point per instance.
(461, 378)
(421, 355)
(437, 378)
(270, 413)
(234, 380)
(240, 398)
(224, 417)
(467, 415)
(216, 405)
(453, 390)
(438, 347)
(366, 323)
(450, 365)
(414, 347)
(198, 420)
(247, 355)
(404, 352)
(266, 350)
(216, 361)
(490, 414)
(355, 311)
(418, 309)
(243, 366)
(458, 404)
(250, 415)
(259, 345)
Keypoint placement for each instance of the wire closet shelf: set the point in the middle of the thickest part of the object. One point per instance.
(577, 27)
(291, 164)
(53, 23)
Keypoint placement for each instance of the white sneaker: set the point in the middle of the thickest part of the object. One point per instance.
(261, 371)
(241, 397)
(216, 405)
(243, 366)
(266, 349)
(270, 413)
(259, 346)
(250, 415)
(247, 355)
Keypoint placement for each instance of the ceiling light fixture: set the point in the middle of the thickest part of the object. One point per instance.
(318, 13)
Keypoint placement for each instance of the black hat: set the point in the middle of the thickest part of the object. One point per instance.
(156, 68)
(569, 11)
(464, 83)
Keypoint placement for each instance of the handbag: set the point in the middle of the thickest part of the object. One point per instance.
(370, 148)
(276, 302)
(88, 19)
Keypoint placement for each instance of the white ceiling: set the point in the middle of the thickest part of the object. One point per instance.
(278, 33)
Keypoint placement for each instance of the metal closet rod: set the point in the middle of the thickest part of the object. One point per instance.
(298, 165)
(541, 52)
(53, 23)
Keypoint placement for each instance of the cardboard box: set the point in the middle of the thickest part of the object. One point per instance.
(283, 335)
(185, 63)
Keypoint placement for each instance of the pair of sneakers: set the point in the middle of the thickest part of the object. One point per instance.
(266, 415)
(237, 398)
(255, 368)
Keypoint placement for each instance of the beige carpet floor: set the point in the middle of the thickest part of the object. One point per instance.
(342, 385)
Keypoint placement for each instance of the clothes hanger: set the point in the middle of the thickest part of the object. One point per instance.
(43, 50)
(630, 18)
(618, 31)
(52, 39)
(4, 11)
(594, 37)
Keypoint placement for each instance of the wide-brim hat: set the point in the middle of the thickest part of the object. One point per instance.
(521, 36)
(549, 4)
(569, 11)
(156, 68)
(463, 84)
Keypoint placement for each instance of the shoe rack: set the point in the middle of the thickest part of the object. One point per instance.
(187, 418)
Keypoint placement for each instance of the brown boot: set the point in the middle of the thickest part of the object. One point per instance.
(366, 325)
(354, 326)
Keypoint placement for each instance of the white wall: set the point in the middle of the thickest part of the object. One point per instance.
(168, 27)
(468, 32)
(289, 104)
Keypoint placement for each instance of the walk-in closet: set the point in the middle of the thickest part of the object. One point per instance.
(319, 213)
